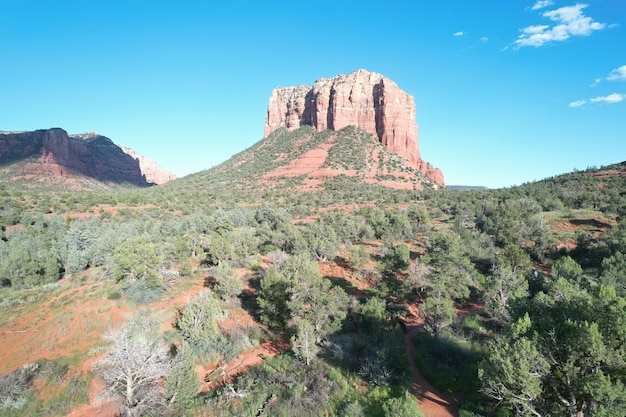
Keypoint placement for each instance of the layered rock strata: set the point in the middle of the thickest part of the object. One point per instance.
(364, 99)
(89, 154)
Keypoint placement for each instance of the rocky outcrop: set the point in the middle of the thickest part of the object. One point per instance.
(150, 169)
(90, 154)
(364, 99)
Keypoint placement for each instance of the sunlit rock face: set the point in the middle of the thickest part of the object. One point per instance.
(153, 172)
(364, 99)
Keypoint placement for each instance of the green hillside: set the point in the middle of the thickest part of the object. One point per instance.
(349, 149)
(510, 301)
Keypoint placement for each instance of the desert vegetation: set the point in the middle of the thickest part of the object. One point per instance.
(520, 294)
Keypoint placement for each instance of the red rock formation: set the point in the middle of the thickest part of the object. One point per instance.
(150, 169)
(90, 154)
(364, 99)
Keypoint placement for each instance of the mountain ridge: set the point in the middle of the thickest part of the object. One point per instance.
(78, 162)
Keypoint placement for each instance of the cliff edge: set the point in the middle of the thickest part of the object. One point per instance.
(363, 99)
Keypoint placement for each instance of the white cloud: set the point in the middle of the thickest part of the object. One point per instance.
(484, 39)
(611, 98)
(570, 21)
(618, 74)
(541, 4)
(577, 103)
(460, 33)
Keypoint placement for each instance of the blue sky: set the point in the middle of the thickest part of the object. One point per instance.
(506, 91)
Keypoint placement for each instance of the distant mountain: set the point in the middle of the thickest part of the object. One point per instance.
(306, 159)
(152, 171)
(52, 159)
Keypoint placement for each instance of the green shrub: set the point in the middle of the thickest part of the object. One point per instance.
(185, 269)
(198, 318)
(376, 372)
(229, 285)
(255, 262)
(140, 292)
(183, 383)
(216, 347)
(138, 259)
(358, 256)
(353, 409)
(402, 407)
(15, 387)
(114, 295)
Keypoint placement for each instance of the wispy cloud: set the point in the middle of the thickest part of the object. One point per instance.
(541, 4)
(618, 74)
(610, 99)
(569, 21)
(595, 82)
(459, 33)
(484, 39)
(578, 103)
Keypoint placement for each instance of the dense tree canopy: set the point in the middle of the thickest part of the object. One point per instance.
(540, 328)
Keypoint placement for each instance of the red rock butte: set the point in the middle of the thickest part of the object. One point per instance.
(364, 99)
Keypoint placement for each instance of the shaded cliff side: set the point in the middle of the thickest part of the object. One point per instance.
(55, 152)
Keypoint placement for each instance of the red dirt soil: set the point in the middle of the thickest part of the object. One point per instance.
(311, 164)
(96, 407)
(218, 374)
(72, 322)
(431, 402)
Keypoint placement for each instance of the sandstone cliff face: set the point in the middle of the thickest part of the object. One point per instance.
(364, 99)
(90, 154)
(150, 169)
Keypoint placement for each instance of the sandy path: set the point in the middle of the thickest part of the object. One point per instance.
(431, 402)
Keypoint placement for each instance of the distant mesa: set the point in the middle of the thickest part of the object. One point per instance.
(363, 99)
(45, 154)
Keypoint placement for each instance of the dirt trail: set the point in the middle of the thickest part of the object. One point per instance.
(216, 375)
(431, 402)
(164, 309)
(108, 408)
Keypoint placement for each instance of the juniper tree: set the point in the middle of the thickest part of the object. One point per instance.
(565, 356)
(138, 259)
